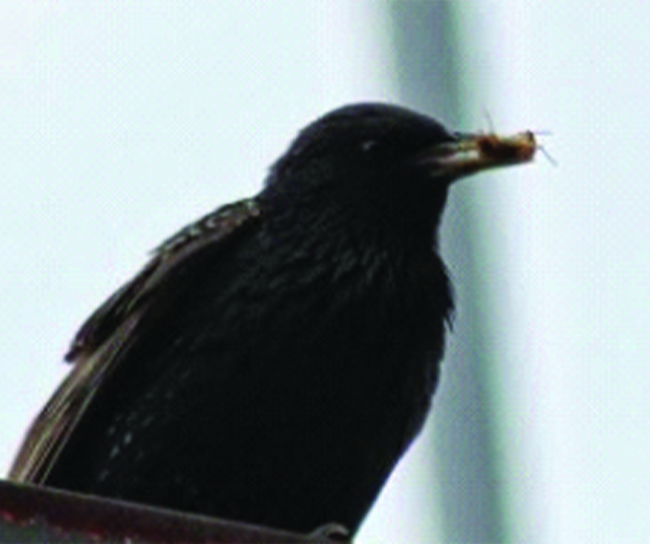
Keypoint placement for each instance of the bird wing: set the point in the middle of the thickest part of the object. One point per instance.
(102, 338)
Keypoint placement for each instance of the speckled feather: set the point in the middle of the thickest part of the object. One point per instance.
(108, 331)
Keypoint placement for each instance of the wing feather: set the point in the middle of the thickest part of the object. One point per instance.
(97, 347)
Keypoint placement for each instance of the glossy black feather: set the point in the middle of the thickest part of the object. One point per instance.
(273, 361)
(108, 333)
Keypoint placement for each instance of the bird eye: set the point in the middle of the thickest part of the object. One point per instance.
(368, 145)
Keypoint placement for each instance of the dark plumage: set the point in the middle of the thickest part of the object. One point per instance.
(273, 361)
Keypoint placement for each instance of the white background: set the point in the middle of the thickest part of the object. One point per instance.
(122, 121)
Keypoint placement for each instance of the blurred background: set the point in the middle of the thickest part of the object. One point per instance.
(121, 121)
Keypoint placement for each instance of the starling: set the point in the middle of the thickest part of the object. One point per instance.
(273, 361)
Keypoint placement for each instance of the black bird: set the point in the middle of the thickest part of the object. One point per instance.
(273, 361)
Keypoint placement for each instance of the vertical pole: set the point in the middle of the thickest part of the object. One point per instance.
(426, 46)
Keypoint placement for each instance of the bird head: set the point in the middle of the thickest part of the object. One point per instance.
(386, 164)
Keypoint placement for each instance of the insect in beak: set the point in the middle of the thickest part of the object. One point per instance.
(472, 153)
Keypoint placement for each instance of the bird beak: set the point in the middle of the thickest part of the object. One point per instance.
(472, 153)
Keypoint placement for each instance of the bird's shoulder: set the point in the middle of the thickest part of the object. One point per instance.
(214, 230)
(100, 344)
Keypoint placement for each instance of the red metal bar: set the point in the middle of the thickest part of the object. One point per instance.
(39, 514)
